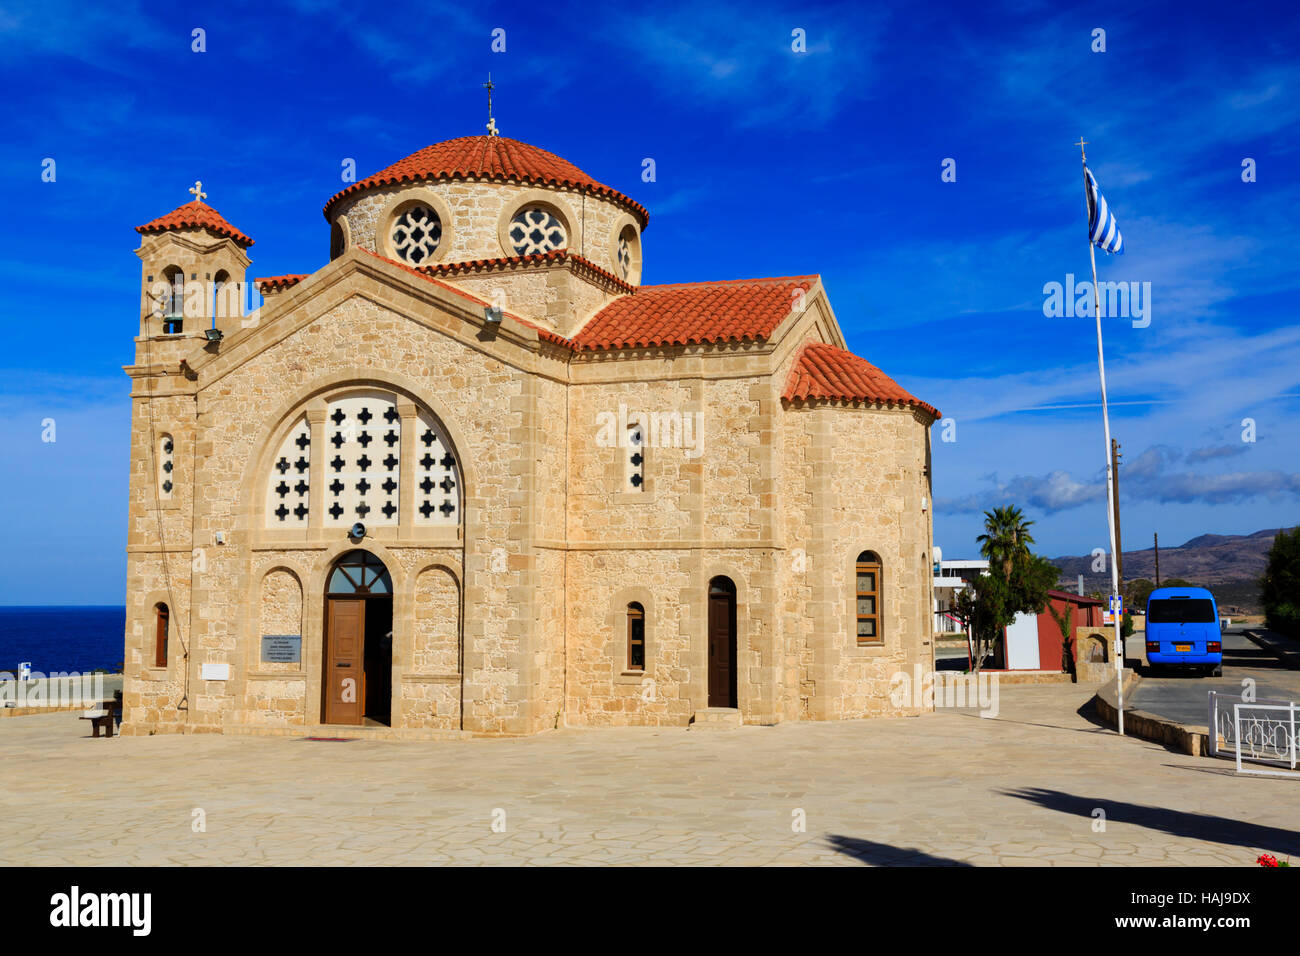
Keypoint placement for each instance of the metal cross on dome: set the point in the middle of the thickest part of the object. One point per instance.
(491, 123)
(197, 191)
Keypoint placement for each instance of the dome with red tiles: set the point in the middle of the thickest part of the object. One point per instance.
(492, 159)
(196, 215)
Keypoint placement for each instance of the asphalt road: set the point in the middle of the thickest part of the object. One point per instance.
(1185, 697)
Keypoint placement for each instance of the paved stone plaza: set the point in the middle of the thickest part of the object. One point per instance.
(945, 788)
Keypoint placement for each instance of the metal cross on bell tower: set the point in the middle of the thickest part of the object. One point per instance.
(197, 191)
(491, 123)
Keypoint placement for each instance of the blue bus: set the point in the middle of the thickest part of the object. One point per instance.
(1183, 630)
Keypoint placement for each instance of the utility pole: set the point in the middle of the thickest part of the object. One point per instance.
(1115, 456)
(1157, 537)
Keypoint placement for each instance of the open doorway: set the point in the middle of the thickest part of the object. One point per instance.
(357, 678)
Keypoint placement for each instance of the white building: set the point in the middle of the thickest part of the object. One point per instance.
(949, 578)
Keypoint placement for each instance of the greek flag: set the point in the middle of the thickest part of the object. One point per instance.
(1102, 227)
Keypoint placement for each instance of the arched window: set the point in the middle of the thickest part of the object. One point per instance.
(362, 467)
(174, 300)
(628, 254)
(635, 637)
(166, 466)
(867, 589)
(359, 572)
(162, 622)
(338, 241)
(220, 308)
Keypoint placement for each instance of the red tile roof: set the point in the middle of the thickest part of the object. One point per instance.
(279, 282)
(824, 372)
(195, 215)
(705, 312)
(743, 310)
(542, 333)
(493, 158)
(555, 257)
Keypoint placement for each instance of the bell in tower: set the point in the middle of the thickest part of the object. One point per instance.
(192, 276)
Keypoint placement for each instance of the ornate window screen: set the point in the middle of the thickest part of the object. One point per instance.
(436, 476)
(535, 230)
(415, 235)
(363, 446)
(624, 256)
(634, 458)
(286, 491)
(166, 467)
(361, 468)
(868, 598)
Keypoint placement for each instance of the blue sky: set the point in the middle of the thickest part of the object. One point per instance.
(769, 162)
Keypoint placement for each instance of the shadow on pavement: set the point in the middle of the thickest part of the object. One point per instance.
(883, 854)
(1197, 826)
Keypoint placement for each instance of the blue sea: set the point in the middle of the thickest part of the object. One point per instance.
(62, 638)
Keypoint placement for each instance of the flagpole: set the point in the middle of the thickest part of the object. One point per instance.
(1110, 475)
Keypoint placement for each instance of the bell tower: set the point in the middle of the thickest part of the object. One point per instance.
(193, 267)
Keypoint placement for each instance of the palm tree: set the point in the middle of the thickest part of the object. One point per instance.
(1006, 537)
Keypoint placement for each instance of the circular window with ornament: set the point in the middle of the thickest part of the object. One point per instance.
(415, 235)
(536, 230)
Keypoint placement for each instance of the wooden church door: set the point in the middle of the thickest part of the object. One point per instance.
(344, 657)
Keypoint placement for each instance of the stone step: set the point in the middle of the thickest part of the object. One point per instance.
(716, 718)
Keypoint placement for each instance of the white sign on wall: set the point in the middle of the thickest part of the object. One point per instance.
(214, 671)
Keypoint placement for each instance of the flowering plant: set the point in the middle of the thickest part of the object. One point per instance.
(1267, 859)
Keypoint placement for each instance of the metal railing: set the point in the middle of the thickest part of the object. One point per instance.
(1259, 732)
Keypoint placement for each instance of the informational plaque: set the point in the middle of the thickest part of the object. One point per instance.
(282, 648)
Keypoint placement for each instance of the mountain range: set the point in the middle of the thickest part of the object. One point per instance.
(1229, 564)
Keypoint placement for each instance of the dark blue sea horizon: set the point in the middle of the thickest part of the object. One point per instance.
(78, 638)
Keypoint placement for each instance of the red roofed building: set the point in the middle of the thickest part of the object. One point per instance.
(473, 475)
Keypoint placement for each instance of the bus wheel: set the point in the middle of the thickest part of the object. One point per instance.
(1216, 671)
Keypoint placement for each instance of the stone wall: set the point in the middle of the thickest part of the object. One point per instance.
(515, 622)
(473, 213)
(863, 489)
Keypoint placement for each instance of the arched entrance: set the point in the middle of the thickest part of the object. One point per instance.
(722, 642)
(357, 682)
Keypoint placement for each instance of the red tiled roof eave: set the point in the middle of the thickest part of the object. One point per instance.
(555, 257)
(491, 159)
(277, 283)
(196, 215)
(825, 373)
(695, 313)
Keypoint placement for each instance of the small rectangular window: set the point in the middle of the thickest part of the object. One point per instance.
(635, 637)
(868, 603)
(160, 637)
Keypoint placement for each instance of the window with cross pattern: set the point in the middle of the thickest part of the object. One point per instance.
(362, 468)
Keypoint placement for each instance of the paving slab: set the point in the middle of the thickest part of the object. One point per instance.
(944, 789)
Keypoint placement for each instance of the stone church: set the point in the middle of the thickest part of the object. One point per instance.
(471, 476)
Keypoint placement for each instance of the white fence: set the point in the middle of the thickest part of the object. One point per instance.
(1259, 732)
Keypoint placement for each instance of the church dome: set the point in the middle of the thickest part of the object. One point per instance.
(492, 159)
